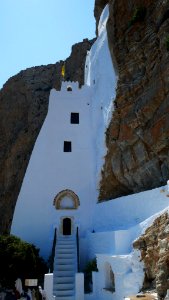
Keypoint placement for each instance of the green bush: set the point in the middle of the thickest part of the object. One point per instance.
(138, 15)
(19, 259)
(90, 267)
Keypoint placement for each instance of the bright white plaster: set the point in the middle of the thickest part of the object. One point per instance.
(51, 170)
(100, 75)
(67, 202)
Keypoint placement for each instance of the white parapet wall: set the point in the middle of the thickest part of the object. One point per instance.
(128, 211)
(79, 286)
(127, 273)
(48, 286)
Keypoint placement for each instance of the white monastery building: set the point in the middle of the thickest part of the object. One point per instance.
(59, 182)
(60, 191)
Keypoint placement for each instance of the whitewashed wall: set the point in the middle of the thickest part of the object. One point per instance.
(101, 76)
(128, 275)
(51, 170)
(125, 212)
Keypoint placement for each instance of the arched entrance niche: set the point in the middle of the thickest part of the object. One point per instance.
(109, 278)
(66, 199)
(69, 88)
(67, 226)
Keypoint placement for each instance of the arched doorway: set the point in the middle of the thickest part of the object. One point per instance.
(109, 278)
(66, 226)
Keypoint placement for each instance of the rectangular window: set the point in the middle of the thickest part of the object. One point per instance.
(67, 146)
(74, 118)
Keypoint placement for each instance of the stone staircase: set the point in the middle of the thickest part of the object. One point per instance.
(65, 267)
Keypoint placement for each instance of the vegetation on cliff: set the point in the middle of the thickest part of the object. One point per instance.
(19, 259)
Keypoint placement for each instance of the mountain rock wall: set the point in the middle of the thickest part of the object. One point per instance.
(154, 247)
(23, 108)
(98, 8)
(138, 136)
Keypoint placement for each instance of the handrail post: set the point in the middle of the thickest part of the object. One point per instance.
(53, 251)
(77, 245)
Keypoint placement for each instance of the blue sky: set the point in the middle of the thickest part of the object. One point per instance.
(39, 32)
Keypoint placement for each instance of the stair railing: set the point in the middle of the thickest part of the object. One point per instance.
(77, 245)
(52, 256)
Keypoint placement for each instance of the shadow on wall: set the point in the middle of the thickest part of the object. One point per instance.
(109, 278)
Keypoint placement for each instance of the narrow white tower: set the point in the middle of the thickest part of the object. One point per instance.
(58, 189)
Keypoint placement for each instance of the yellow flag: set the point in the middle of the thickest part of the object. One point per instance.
(63, 71)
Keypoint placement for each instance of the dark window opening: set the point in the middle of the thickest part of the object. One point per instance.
(69, 89)
(66, 226)
(67, 146)
(74, 119)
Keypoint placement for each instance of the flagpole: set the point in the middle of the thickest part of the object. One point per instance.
(63, 72)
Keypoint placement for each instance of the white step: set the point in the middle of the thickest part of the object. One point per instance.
(64, 255)
(66, 242)
(65, 267)
(61, 247)
(64, 286)
(63, 279)
(64, 273)
(64, 293)
(66, 237)
(66, 247)
(65, 298)
(64, 261)
(60, 251)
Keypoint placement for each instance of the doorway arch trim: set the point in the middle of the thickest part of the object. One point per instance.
(66, 193)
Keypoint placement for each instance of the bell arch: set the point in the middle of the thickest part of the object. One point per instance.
(69, 88)
(66, 199)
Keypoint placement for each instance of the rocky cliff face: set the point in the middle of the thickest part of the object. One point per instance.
(98, 8)
(154, 247)
(137, 138)
(23, 107)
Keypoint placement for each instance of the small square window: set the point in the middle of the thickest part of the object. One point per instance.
(74, 119)
(67, 146)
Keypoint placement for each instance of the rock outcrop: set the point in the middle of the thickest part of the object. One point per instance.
(137, 138)
(98, 8)
(23, 107)
(154, 247)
